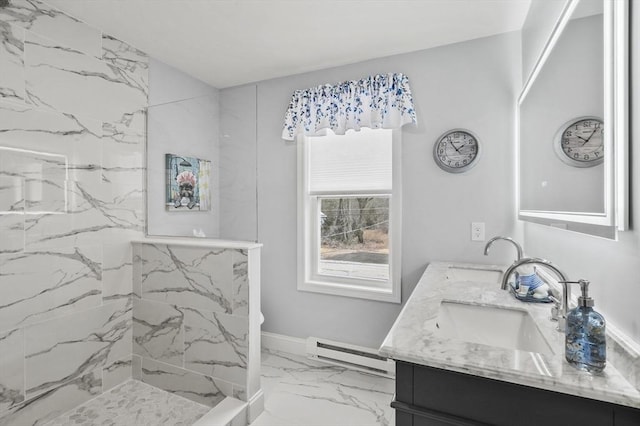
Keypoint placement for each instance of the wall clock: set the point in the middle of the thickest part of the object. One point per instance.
(580, 143)
(456, 151)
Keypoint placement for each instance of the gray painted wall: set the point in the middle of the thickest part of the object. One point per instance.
(612, 266)
(238, 164)
(471, 85)
(183, 119)
(168, 84)
(189, 117)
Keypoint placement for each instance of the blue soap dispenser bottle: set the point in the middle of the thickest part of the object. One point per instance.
(585, 343)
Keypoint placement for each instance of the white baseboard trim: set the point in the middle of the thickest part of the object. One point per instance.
(281, 343)
(350, 356)
(228, 411)
(304, 347)
(256, 406)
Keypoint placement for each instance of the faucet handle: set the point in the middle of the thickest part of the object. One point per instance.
(556, 314)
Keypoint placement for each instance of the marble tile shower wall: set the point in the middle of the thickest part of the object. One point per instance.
(72, 130)
(191, 320)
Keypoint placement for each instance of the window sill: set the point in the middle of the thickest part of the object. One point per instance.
(348, 290)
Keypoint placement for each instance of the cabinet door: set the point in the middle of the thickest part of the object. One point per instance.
(410, 415)
(404, 382)
(403, 419)
(503, 404)
(423, 421)
(625, 416)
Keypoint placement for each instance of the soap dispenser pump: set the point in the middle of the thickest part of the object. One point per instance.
(585, 342)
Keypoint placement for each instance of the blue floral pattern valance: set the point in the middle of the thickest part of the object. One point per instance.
(381, 101)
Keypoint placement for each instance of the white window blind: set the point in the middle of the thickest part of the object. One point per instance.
(361, 161)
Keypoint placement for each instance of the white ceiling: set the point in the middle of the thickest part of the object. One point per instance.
(231, 42)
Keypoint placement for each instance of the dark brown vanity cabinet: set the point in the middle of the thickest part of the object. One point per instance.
(427, 396)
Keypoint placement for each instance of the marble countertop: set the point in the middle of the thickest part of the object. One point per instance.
(198, 242)
(413, 338)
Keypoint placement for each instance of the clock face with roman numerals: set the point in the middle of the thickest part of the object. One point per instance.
(456, 151)
(580, 142)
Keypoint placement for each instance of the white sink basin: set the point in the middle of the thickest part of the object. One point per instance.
(457, 273)
(502, 327)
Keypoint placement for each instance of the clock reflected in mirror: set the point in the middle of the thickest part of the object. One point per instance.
(580, 142)
(456, 151)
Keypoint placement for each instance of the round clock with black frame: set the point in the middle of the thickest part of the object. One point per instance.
(580, 142)
(456, 151)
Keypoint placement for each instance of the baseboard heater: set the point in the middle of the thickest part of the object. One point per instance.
(350, 356)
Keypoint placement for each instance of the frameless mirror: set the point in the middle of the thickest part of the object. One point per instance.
(572, 121)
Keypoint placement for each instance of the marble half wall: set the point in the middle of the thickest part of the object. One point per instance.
(196, 319)
(72, 134)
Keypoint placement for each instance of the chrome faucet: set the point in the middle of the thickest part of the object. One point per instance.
(556, 314)
(511, 240)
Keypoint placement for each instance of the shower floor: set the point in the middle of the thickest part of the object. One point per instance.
(134, 403)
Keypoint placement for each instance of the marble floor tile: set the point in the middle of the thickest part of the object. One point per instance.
(299, 391)
(134, 403)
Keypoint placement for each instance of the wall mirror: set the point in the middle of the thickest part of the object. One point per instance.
(572, 123)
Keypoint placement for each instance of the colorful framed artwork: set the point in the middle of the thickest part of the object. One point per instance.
(188, 181)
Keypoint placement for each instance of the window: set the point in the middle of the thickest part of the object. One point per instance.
(349, 214)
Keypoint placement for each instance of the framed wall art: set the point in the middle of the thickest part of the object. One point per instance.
(188, 180)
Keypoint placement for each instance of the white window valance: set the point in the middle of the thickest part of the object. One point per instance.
(381, 101)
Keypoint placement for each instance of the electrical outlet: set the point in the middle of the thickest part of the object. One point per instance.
(477, 231)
